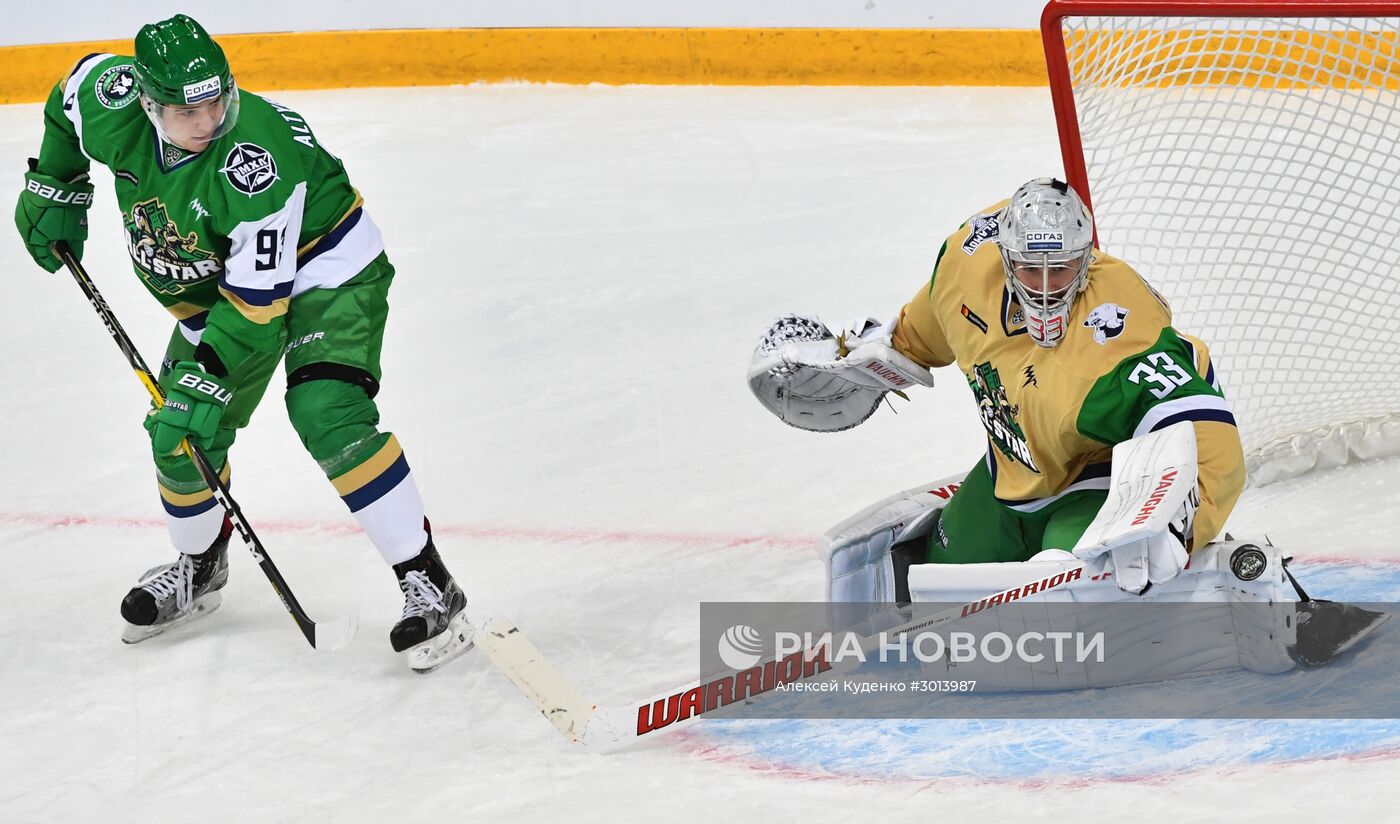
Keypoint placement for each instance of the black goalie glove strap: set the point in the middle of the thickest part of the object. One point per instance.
(822, 380)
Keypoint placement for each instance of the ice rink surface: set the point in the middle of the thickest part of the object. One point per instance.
(583, 272)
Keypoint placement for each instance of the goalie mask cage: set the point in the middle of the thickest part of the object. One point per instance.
(1244, 157)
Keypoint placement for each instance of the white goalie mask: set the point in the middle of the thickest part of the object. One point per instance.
(1046, 236)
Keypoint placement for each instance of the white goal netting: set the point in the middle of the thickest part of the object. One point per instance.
(1250, 169)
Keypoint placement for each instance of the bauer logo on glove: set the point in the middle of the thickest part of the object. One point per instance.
(194, 405)
(192, 380)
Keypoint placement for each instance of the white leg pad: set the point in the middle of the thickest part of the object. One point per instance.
(860, 582)
(1241, 616)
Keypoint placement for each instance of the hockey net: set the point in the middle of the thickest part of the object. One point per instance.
(1243, 157)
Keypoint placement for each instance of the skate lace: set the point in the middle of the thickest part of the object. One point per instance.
(421, 594)
(176, 579)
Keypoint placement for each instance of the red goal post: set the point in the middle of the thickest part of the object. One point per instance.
(1244, 156)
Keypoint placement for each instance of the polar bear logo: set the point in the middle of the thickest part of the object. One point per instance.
(1107, 321)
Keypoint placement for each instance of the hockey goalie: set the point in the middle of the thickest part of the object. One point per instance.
(1111, 451)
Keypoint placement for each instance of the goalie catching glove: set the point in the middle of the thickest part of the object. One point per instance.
(824, 380)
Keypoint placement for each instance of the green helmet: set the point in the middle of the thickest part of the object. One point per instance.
(179, 67)
(178, 63)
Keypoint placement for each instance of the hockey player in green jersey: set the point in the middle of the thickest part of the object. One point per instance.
(248, 231)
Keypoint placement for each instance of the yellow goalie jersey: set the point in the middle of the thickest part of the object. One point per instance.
(1053, 415)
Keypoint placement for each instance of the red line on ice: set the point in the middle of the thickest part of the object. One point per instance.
(699, 540)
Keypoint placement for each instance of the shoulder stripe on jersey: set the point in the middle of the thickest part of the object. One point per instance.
(72, 107)
(1194, 407)
(1195, 363)
(83, 61)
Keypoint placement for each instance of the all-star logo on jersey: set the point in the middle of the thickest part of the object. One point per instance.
(250, 168)
(116, 87)
(999, 415)
(168, 261)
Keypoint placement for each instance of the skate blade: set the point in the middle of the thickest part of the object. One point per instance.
(443, 647)
(202, 606)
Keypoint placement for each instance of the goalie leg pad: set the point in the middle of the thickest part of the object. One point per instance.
(1231, 608)
(860, 581)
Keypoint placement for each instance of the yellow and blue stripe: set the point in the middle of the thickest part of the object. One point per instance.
(188, 504)
(374, 477)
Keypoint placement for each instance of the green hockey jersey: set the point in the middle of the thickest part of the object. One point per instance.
(224, 237)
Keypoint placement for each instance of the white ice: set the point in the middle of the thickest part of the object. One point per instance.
(583, 272)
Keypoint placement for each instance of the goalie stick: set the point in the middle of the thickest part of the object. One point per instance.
(1152, 475)
(604, 727)
(321, 635)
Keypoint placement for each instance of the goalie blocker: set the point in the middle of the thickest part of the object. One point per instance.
(1249, 611)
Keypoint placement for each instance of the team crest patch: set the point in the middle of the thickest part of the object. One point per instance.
(1108, 320)
(984, 228)
(250, 169)
(999, 415)
(116, 87)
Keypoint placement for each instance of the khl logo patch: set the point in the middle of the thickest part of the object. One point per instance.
(116, 87)
(1108, 321)
(250, 168)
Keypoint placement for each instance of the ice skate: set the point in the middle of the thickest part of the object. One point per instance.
(173, 594)
(434, 628)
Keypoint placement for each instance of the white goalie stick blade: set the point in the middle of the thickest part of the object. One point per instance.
(526, 667)
(333, 635)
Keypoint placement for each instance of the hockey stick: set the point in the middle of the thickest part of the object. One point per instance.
(321, 635)
(595, 726)
(1152, 476)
